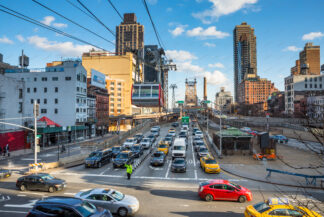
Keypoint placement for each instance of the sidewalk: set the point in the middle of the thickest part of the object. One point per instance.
(247, 167)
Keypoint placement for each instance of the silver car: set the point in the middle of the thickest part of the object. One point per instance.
(114, 201)
(146, 143)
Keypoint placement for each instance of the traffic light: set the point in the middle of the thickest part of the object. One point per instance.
(36, 109)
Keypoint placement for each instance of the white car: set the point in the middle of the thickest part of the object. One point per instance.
(245, 129)
(156, 128)
(172, 133)
(114, 201)
(199, 134)
(146, 143)
(129, 143)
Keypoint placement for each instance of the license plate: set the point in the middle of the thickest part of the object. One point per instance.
(155, 164)
(88, 165)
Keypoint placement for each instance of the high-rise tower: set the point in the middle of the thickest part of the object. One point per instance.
(129, 35)
(245, 58)
(310, 60)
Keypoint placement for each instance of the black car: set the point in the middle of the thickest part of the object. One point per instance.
(175, 124)
(158, 158)
(199, 144)
(66, 207)
(40, 181)
(194, 130)
(137, 150)
(98, 158)
(169, 140)
(183, 135)
(179, 165)
(139, 137)
(116, 150)
(4, 173)
(152, 137)
(202, 152)
(124, 157)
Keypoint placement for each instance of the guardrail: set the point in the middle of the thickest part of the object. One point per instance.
(310, 179)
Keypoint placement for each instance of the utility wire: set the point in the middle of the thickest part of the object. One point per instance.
(44, 6)
(98, 20)
(31, 20)
(74, 5)
(112, 5)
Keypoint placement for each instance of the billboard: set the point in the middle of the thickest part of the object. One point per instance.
(98, 79)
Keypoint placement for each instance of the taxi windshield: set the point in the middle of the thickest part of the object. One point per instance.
(157, 154)
(261, 207)
(95, 154)
(122, 156)
(116, 148)
(163, 146)
(211, 162)
(129, 140)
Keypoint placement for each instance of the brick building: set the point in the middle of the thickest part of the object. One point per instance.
(276, 104)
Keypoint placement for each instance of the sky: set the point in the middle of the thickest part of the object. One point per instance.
(196, 34)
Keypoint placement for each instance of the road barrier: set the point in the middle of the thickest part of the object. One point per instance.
(32, 168)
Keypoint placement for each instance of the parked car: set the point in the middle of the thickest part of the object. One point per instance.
(280, 139)
(152, 137)
(146, 143)
(179, 165)
(122, 158)
(202, 152)
(41, 182)
(4, 173)
(129, 143)
(278, 207)
(158, 158)
(209, 165)
(137, 150)
(98, 158)
(219, 189)
(59, 206)
(115, 151)
(112, 200)
(139, 137)
(175, 124)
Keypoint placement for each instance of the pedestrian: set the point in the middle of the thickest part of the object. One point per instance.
(129, 170)
(7, 150)
(0, 150)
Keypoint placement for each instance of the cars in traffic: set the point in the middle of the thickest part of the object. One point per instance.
(280, 139)
(124, 157)
(129, 143)
(164, 147)
(172, 133)
(4, 173)
(155, 132)
(219, 189)
(183, 134)
(115, 150)
(158, 158)
(137, 150)
(179, 148)
(245, 129)
(196, 139)
(40, 182)
(146, 143)
(169, 139)
(194, 130)
(156, 128)
(112, 200)
(179, 165)
(198, 133)
(202, 152)
(175, 124)
(66, 206)
(278, 207)
(152, 137)
(199, 144)
(98, 158)
(138, 137)
(209, 165)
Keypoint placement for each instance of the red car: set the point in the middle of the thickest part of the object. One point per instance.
(219, 189)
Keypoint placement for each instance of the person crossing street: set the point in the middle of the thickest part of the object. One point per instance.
(129, 170)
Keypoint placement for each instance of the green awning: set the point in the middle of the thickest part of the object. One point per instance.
(234, 132)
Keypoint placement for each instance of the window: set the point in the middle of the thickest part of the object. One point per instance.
(228, 187)
(78, 89)
(28, 90)
(20, 93)
(45, 101)
(119, 84)
(119, 89)
(77, 110)
(315, 79)
(119, 105)
(321, 86)
(112, 83)
(280, 212)
(78, 77)
(56, 89)
(119, 94)
(54, 78)
(84, 110)
(31, 101)
(35, 79)
(112, 104)
(43, 111)
(311, 86)
(20, 107)
(45, 89)
(119, 100)
(112, 110)
(35, 89)
(68, 78)
(118, 110)
(217, 186)
(44, 78)
(112, 99)
(112, 88)
(305, 85)
(78, 100)
(38, 101)
(55, 100)
(56, 111)
(315, 85)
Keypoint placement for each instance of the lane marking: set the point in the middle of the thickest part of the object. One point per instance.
(156, 168)
(105, 170)
(168, 170)
(29, 159)
(67, 193)
(26, 205)
(193, 153)
(196, 177)
(9, 211)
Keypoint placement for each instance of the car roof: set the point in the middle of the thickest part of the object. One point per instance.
(37, 174)
(159, 152)
(125, 151)
(218, 181)
(61, 200)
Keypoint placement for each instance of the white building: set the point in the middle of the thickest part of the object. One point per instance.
(223, 100)
(60, 91)
(300, 83)
(12, 99)
(315, 107)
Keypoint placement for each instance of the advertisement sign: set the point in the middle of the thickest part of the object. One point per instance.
(98, 79)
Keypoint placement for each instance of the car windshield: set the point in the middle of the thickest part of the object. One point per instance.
(157, 154)
(129, 140)
(150, 136)
(261, 207)
(211, 162)
(47, 177)
(135, 148)
(116, 148)
(122, 156)
(162, 146)
(204, 183)
(86, 209)
(235, 185)
(179, 148)
(95, 154)
(203, 150)
(200, 143)
(179, 161)
(117, 195)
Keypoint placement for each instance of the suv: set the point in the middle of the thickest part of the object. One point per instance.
(66, 206)
(116, 150)
(146, 143)
(98, 158)
(152, 137)
(137, 150)
(124, 157)
(138, 137)
(175, 124)
(40, 181)
(129, 143)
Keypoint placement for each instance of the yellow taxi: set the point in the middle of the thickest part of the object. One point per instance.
(164, 147)
(209, 165)
(278, 207)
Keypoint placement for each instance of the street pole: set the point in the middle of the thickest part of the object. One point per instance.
(220, 132)
(35, 130)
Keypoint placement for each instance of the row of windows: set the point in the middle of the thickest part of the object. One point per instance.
(44, 111)
(45, 89)
(44, 101)
(82, 90)
(67, 78)
(315, 79)
(112, 110)
(311, 86)
(80, 110)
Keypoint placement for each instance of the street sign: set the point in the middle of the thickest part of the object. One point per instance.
(180, 102)
(206, 101)
(39, 136)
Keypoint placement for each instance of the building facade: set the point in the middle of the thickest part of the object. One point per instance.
(91, 112)
(315, 107)
(129, 35)
(223, 100)
(191, 99)
(310, 60)
(276, 104)
(245, 56)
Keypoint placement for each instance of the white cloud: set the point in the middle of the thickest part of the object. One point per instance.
(6, 40)
(210, 32)
(60, 25)
(222, 7)
(189, 67)
(62, 48)
(180, 55)
(216, 65)
(312, 36)
(20, 38)
(207, 44)
(48, 20)
(215, 78)
(292, 48)
(178, 30)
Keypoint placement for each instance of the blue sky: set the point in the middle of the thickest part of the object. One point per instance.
(197, 34)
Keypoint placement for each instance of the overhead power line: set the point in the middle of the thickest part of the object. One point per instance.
(112, 5)
(98, 20)
(80, 9)
(44, 6)
(31, 20)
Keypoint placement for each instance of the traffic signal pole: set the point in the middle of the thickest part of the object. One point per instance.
(36, 111)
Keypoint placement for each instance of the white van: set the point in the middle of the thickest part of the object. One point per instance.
(179, 148)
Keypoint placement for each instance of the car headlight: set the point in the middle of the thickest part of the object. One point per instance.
(58, 185)
(132, 206)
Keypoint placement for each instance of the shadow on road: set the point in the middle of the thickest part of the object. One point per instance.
(206, 214)
(187, 195)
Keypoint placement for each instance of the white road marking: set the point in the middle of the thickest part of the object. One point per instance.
(196, 177)
(26, 205)
(67, 193)
(193, 153)
(9, 211)
(167, 173)
(156, 168)
(105, 170)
